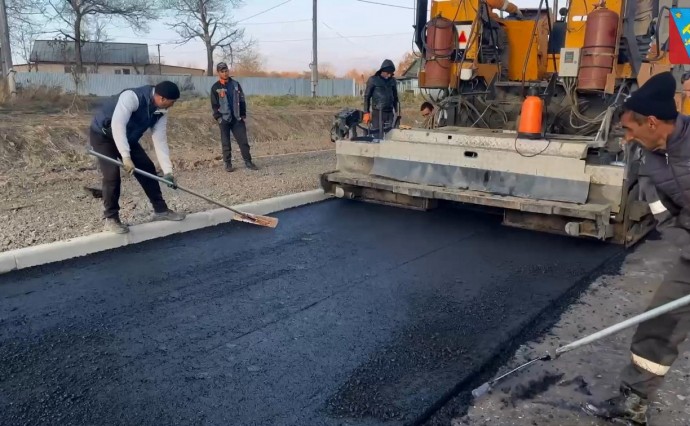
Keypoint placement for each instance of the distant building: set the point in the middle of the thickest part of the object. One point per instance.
(408, 80)
(57, 56)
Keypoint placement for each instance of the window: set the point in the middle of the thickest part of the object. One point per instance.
(118, 71)
(125, 71)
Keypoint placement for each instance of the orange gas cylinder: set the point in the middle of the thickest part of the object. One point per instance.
(531, 116)
(440, 41)
(599, 49)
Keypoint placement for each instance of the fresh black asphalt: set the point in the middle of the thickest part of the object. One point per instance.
(346, 313)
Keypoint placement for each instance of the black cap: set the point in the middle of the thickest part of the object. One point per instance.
(655, 98)
(168, 90)
(221, 66)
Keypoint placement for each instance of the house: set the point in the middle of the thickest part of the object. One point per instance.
(58, 56)
(408, 80)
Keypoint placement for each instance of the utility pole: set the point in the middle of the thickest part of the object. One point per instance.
(315, 61)
(160, 72)
(7, 71)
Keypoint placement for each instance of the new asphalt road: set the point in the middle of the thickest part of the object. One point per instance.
(347, 313)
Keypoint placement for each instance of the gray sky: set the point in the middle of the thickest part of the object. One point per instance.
(351, 34)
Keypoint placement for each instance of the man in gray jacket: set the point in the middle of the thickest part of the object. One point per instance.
(230, 111)
(651, 119)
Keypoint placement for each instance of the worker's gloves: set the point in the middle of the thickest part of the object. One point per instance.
(170, 178)
(220, 120)
(366, 119)
(128, 165)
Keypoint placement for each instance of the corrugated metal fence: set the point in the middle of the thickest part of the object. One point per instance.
(108, 85)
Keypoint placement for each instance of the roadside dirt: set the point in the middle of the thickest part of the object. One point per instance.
(44, 167)
(552, 393)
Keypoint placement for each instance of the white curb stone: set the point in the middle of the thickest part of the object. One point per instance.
(82, 246)
(7, 262)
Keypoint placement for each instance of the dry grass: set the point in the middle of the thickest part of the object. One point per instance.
(42, 99)
(37, 139)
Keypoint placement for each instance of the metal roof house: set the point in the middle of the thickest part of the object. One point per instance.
(61, 52)
(408, 82)
(59, 56)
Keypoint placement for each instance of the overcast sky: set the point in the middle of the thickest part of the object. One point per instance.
(351, 34)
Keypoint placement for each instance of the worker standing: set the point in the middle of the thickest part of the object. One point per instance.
(115, 132)
(381, 100)
(230, 111)
(651, 119)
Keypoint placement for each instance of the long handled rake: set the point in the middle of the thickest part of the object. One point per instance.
(269, 222)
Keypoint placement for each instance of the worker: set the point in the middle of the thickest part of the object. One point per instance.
(381, 103)
(427, 111)
(230, 111)
(494, 41)
(116, 130)
(650, 118)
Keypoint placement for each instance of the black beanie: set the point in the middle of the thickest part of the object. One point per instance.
(168, 90)
(655, 98)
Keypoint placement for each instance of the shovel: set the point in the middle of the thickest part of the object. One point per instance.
(269, 222)
(652, 313)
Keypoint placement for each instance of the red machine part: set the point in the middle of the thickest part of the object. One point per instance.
(601, 38)
(440, 42)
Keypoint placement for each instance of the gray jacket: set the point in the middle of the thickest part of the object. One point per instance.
(669, 173)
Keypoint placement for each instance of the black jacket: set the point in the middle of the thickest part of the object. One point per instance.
(381, 93)
(669, 172)
(227, 100)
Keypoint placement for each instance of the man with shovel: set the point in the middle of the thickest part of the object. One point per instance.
(115, 132)
(651, 119)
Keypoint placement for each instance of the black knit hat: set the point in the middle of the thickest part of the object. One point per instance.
(655, 98)
(168, 90)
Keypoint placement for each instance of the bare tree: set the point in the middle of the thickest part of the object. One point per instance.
(70, 17)
(23, 27)
(211, 22)
(97, 36)
(248, 63)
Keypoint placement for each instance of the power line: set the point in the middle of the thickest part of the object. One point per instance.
(264, 11)
(340, 35)
(386, 4)
(332, 38)
(277, 22)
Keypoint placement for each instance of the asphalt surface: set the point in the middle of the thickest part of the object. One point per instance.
(347, 313)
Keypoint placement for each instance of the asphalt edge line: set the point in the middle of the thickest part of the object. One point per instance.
(57, 251)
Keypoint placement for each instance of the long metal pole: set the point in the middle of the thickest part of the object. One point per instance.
(315, 60)
(652, 313)
(160, 71)
(167, 182)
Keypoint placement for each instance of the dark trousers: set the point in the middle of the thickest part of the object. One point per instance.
(111, 174)
(239, 130)
(655, 343)
(381, 120)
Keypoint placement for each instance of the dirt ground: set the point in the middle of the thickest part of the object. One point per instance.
(44, 167)
(552, 393)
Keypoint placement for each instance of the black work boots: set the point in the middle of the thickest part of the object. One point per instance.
(627, 408)
(249, 164)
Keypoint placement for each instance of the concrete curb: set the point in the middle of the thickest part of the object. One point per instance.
(81, 246)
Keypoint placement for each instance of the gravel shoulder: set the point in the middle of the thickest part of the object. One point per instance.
(51, 206)
(551, 393)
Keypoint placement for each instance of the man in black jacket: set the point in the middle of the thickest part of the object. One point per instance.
(230, 111)
(381, 99)
(651, 119)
